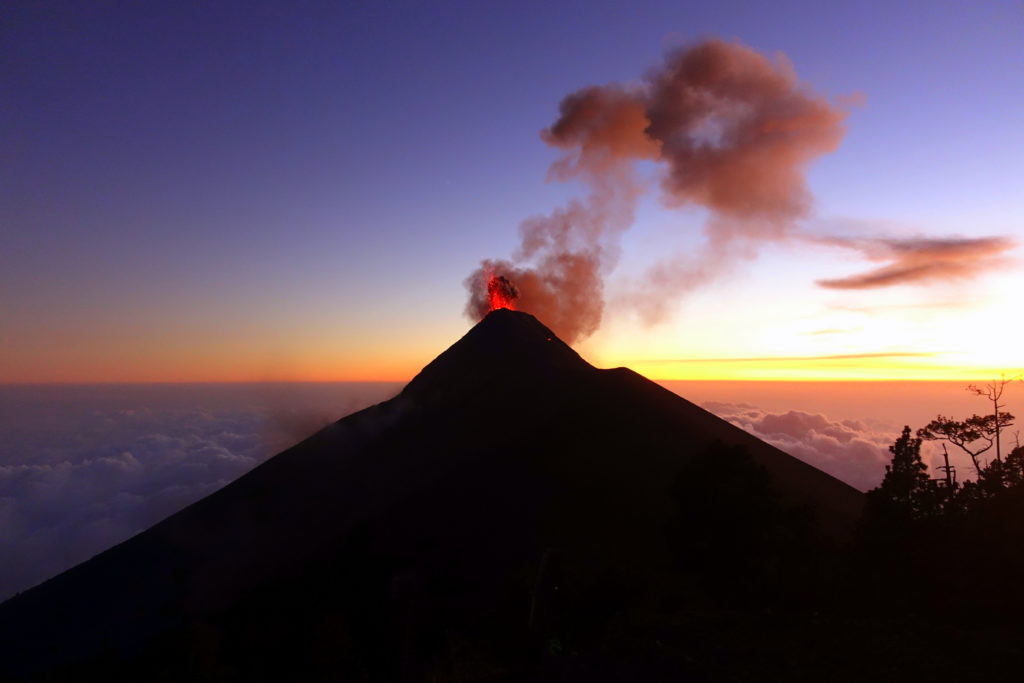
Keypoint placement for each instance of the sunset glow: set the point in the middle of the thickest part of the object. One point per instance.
(865, 243)
(511, 340)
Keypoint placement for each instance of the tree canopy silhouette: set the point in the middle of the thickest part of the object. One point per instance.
(964, 434)
(906, 494)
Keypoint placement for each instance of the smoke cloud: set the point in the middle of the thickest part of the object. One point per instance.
(729, 130)
(922, 260)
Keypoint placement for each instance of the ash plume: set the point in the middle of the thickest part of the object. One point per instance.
(921, 260)
(729, 130)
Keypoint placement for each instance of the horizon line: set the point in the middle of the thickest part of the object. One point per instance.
(753, 380)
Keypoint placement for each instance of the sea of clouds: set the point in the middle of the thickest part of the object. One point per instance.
(850, 450)
(83, 468)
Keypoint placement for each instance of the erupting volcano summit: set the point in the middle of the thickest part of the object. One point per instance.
(501, 293)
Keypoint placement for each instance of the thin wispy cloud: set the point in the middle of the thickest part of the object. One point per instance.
(831, 331)
(884, 308)
(785, 359)
(921, 260)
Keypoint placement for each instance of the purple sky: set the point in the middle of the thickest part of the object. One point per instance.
(255, 190)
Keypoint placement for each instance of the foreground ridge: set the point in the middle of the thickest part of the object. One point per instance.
(506, 461)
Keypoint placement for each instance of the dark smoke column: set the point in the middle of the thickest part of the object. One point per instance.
(730, 130)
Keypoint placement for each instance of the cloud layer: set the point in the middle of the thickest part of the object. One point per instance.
(847, 449)
(58, 513)
(82, 469)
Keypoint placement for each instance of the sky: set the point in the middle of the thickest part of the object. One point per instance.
(257, 191)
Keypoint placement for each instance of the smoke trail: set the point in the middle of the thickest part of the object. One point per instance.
(729, 129)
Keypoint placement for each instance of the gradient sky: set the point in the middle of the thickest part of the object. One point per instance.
(197, 191)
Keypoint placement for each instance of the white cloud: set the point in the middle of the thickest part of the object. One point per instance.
(83, 468)
(62, 510)
(847, 449)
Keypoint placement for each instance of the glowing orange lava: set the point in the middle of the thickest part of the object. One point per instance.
(501, 293)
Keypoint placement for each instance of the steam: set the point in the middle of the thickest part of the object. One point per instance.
(729, 130)
(921, 260)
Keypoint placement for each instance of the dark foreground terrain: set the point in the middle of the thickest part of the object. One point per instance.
(513, 515)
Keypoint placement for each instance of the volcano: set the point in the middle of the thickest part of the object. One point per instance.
(444, 520)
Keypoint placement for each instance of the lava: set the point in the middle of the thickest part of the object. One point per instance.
(501, 293)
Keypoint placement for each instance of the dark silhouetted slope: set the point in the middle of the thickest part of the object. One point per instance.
(404, 528)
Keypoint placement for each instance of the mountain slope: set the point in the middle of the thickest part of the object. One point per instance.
(508, 447)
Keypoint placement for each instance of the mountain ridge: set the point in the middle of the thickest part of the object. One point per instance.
(506, 444)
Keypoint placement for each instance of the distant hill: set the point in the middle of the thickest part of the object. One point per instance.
(445, 518)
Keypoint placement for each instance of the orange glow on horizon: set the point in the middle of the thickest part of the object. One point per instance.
(305, 363)
(403, 367)
(866, 367)
(375, 350)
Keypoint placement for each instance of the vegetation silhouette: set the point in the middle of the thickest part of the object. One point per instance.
(993, 391)
(982, 430)
(956, 546)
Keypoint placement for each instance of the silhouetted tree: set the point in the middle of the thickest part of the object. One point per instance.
(942, 550)
(1014, 467)
(906, 492)
(965, 433)
(993, 391)
(901, 519)
(996, 478)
